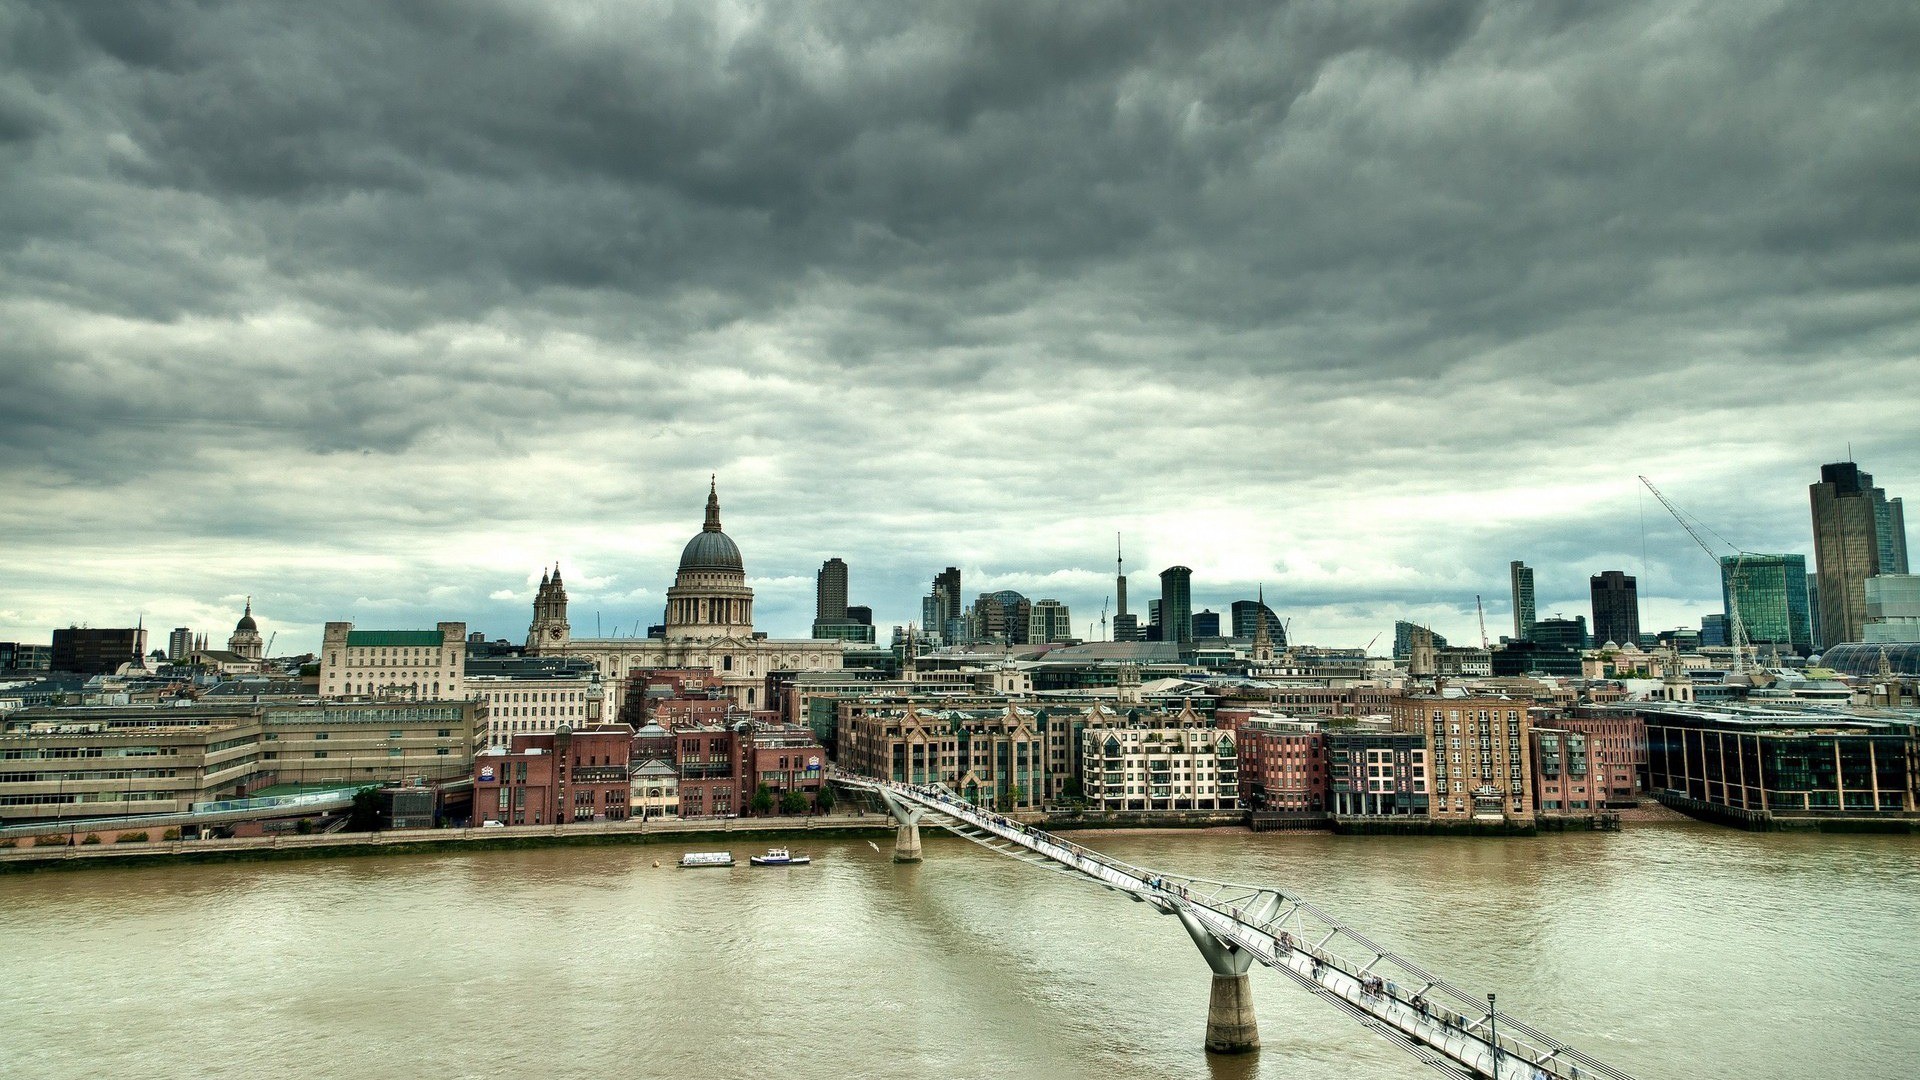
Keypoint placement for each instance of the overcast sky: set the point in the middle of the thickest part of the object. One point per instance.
(372, 310)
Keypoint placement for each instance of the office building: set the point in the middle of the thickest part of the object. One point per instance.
(1176, 604)
(1616, 608)
(1771, 594)
(1002, 617)
(1563, 633)
(20, 656)
(1857, 533)
(1120, 590)
(1748, 765)
(1813, 608)
(946, 586)
(1249, 614)
(179, 643)
(830, 591)
(1893, 608)
(833, 618)
(535, 695)
(97, 651)
(1520, 577)
(1049, 622)
(1206, 624)
(59, 763)
(1404, 634)
(1713, 631)
(1127, 628)
(416, 665)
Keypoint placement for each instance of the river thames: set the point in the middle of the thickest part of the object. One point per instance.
(1665, 950)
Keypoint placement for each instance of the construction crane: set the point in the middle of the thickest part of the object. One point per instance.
(268, 651)
(1103, 617)
(1482, 612)
(1736, 628)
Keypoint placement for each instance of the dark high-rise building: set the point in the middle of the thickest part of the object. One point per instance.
(97, 651)
(1176, 604)
(179, 643)
(1562, 633)
(1770, 592)
(830, 592)
(1713, 631)
(1247, 616)
(1206, 624)
(1616, 608)
(1521, 579)
(1003, 616)
(1127, 628)
(860, 613)
(1857, 533)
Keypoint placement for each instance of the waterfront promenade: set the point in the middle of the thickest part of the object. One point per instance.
(658, 831)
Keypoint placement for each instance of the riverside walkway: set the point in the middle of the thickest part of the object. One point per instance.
(655, 830)
(1235, 926)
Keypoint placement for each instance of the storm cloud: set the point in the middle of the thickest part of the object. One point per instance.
(373, 310)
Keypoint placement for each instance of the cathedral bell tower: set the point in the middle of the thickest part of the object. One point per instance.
(549, 631)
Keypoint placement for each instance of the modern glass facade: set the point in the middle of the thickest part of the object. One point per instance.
(1771, 591)
(1757, 768)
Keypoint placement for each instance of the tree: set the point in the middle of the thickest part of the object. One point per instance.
(762, 802)
(365, 815)
(1014, 795)
(823, 800)
(793, 803)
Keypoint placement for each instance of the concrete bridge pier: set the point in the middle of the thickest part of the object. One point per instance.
(906, 836)
(1231, 1026)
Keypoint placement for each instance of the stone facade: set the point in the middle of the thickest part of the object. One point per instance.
(1477, 751)
(709, 625)
(417, 665)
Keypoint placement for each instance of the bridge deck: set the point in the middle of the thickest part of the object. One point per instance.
(1441, 1024)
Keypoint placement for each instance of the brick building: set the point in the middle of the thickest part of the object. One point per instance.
(552, 779)
(1283, 769)
(1477, 750)
(1565, 783)
(1617, 744)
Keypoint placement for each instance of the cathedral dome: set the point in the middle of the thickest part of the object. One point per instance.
(711, 549)
(246, 621)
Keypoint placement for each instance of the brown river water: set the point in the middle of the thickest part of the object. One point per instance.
(1665, 950)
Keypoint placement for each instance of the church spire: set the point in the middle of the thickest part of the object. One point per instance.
(713, 505)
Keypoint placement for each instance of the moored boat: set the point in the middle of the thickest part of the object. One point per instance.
(779, 856)
(694, 859)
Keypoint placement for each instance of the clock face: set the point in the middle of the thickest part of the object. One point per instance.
(554, 632)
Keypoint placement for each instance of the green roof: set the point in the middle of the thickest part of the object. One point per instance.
(390, 638)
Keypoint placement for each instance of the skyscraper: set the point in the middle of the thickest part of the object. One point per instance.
(1813, 608)
(1771, 592)
(1048, 622)
(1857, 533)
(830, 592)
(1713, 630)
(1206, 624)
(179, 643)
(1616, 607)
(1176, 604)
(1119, 581)
(1521, 576)
(947, 584)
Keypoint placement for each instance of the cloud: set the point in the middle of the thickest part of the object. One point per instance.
(374, 311)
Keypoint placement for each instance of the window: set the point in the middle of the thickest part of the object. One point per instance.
(320, 736)
(319, 753)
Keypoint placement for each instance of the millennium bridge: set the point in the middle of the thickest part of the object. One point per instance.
(1236, 926)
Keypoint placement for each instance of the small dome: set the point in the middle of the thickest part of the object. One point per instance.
(246, 620)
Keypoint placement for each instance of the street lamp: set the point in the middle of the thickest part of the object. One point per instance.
(1493, 1034)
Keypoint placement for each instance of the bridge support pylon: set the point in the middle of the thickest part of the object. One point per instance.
(906, 835)
(1231, 1025)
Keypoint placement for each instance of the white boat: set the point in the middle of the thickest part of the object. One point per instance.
(779, 856)
(694, 859)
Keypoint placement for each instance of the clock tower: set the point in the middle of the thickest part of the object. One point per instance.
(549, 631)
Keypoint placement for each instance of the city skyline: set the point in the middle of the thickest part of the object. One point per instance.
(785, 603)
(346, 322)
